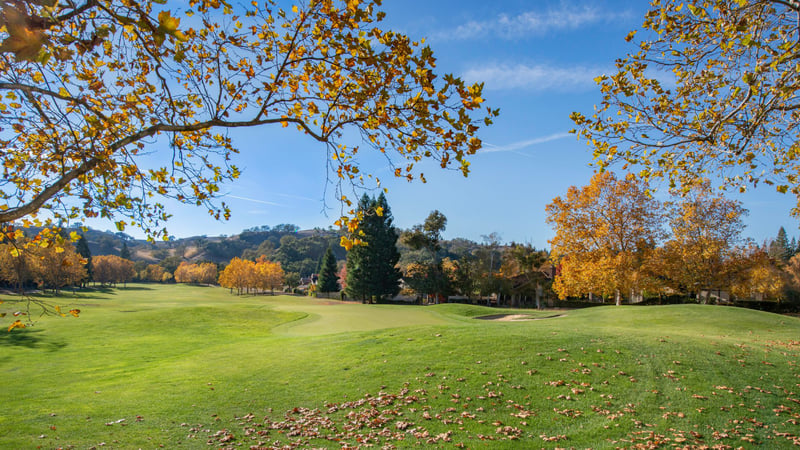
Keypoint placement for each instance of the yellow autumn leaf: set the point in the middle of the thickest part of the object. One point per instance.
(16, 324)
(168, 23)
(346, 243)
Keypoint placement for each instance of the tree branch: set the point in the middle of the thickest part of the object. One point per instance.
(31, 89)
(12, 214)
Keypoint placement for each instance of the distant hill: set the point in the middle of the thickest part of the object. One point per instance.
(297, 250)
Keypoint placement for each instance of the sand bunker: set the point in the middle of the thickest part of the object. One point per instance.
(516, 317)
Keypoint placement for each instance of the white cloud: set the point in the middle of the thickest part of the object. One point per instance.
(567, 16)
(534, 77)
(514, 146)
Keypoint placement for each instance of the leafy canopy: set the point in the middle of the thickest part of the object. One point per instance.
(713, 90)
(91, 91)
(604, 235)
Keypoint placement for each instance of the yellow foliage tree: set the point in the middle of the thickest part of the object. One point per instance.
(269, 275)
(793, 269)
(207, 273)
(57, 266)
(706, 230)
(204, 273)
(155, 273)
(605, 232)
(15, 265)
(759, 277)
(86, 85)
(111, 269)
(183, 273)
(728, 105)
(239, 274)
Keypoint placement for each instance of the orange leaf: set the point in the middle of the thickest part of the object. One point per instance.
(17, 324)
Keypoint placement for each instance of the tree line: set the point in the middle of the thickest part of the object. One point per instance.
(614, 240)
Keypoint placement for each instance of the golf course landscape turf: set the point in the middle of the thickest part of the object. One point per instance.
(177, 366)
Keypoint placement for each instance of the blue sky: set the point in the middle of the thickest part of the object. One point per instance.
(537, 59)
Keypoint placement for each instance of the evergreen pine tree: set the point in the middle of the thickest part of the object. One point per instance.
(328, 281)
(779, 248)
(386, 275)
(125, 253)
(371, 268)
(82, 248)
(357, 259)
(793, 247)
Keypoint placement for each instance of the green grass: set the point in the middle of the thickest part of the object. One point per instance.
(185, 365)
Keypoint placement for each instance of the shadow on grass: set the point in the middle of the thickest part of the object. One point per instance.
(29, 339)
(133, 288)
(110, 290)
(96, 290)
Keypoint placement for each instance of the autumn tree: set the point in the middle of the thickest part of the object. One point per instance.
(705, 232)
(328, 280)
(50, 265)
(82, 247)
(15, 265)
(268, 275)
(90, 88)
(183, 273)
(207, 273)
(203, 273)
(759, 277)
(712, 89)
(155, 273)
(604, 234)
(238, 274)
(111, 269)
(792, 269)
(57, 266)
(341, 275)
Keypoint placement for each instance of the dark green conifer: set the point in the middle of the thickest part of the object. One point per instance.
(328, 281)
(779, 249)
(371, 268)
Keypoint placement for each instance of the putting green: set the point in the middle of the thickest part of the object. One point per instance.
(332, 316)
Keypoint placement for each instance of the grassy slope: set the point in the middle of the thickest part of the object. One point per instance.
(181, 363)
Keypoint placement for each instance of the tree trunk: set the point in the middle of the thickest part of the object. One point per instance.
(618, 298)
(538, 296)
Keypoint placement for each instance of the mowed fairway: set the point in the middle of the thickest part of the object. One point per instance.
(194, 367)
(333, 316)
